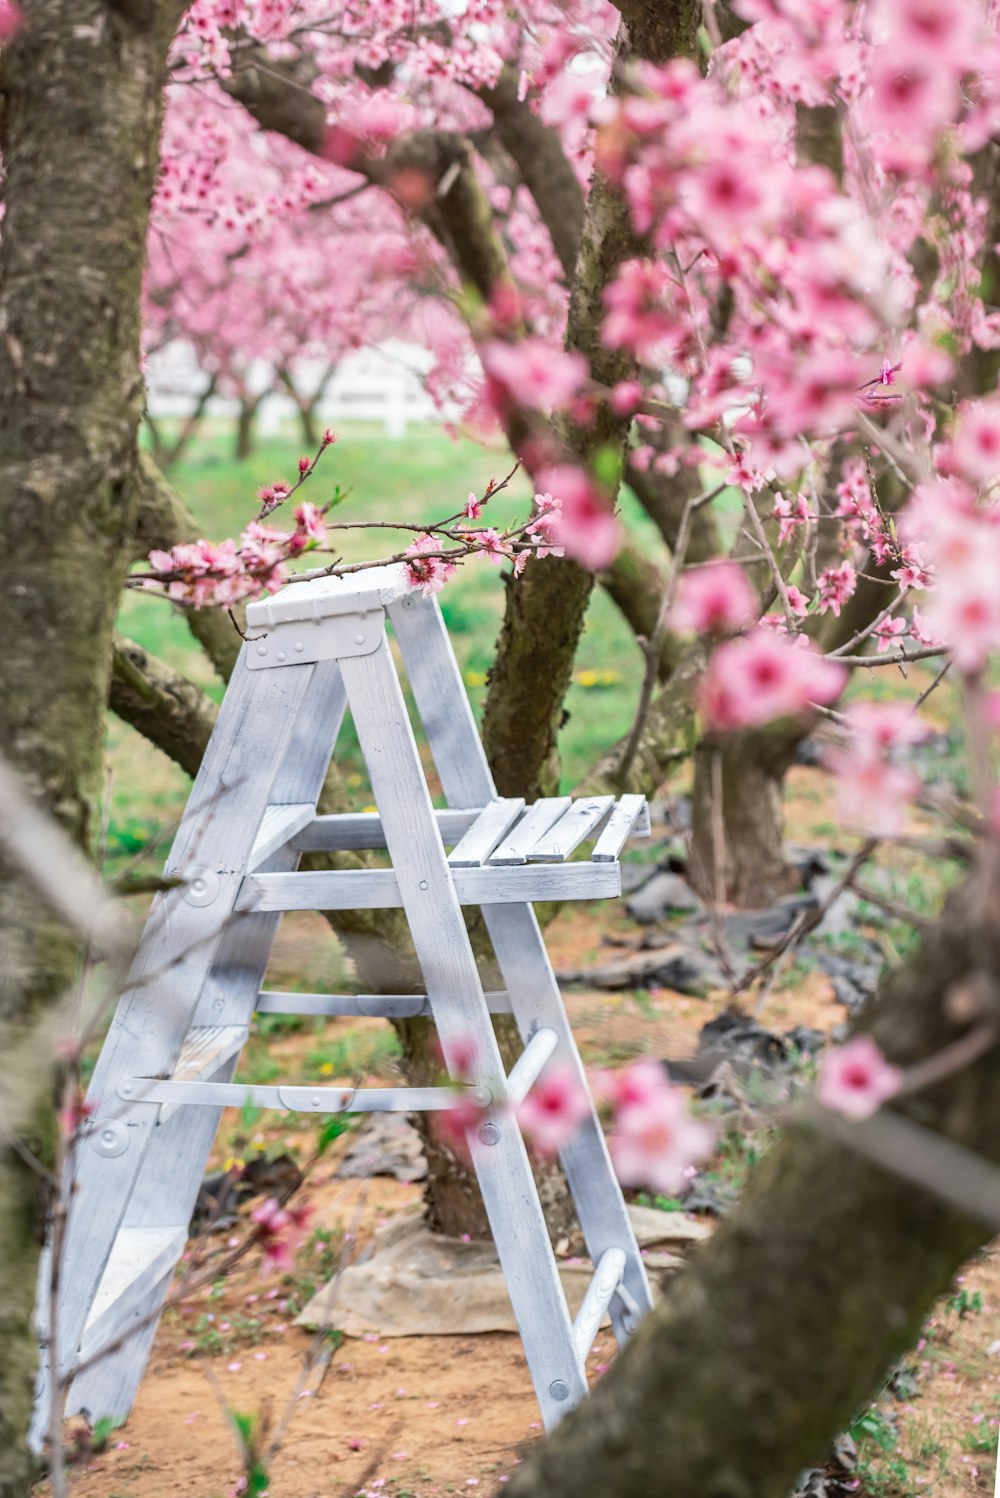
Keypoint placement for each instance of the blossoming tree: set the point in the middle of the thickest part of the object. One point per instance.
(695, 247)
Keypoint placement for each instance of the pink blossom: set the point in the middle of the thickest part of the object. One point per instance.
(546, 530)
(589, 531)
(887, 632)
(311, 527)
(491, 545)
(452, 1124)
(791, 513)
(272, 494)
(637, 1082)
(74, 1116)
(872, 793)
(855, 1079)
(910, 94)
(654, 1140)
(11, 16)
(473, 507)
(940, 33)
(880, 726)
(761, 676)
(626, 397)
(714, 600)
(428, 573)
(836, 586)
(273, 1225)
(976, 443)
(328, 437)
(554, 1109)
(533, 374)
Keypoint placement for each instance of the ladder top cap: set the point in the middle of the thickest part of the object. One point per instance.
(324, 597)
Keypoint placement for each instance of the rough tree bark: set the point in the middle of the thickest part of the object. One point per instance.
(785, 1322)
(82, 88)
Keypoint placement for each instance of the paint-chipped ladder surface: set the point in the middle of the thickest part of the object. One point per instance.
(167, 1067)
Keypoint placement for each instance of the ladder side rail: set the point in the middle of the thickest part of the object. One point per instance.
(154, 1014)
(167, 1188)
(442, 701)
(537, 1002)
(463, 1025)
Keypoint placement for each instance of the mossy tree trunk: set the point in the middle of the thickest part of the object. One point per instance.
(82, 87)
(788, 1319)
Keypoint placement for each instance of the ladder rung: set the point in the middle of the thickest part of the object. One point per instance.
(363, 829)
(607, 1278)
(492, 824)
(300, 1098)
(579, 823)
(524, 1072)
(630, 817)
(139, 1260)
(371, 1005)
(536, 820)
(377, 889)
(277, 826)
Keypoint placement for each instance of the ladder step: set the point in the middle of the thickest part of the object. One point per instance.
(352, 831)
(629, 818)
(492, 824)
(278, 824)
(607, 1278)
(377, 889)
(300, 1097)
(576, 825)
(372, 1005)
(539, 817)
(139, 1260)
(524, 1072)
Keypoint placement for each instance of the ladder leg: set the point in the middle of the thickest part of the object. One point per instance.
(464, 1028)
(536, 1001)
(154, 1014)
(465, 774)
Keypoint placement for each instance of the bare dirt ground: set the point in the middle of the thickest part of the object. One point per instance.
(432, 1416)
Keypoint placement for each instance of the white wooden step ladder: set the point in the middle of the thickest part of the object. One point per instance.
(166, 1068)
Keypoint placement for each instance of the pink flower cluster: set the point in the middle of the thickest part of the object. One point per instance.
(873, 791)
(279, 1230)
(944, 522)
(715, 600)
(855, 1079)
(554, 1109)
(654, 1141)
(203, 574)
(760, 676)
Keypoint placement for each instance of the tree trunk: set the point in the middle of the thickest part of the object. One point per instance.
(246, 433)
(737, 819)
(82, 86)
(767, 1343)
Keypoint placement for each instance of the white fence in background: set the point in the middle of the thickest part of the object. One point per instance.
(382, 384)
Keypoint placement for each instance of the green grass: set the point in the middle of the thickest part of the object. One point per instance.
(424, 477)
